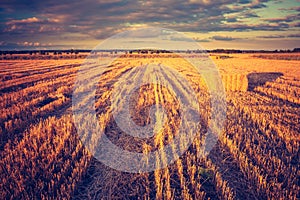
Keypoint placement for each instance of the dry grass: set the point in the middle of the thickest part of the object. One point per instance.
(257, 157)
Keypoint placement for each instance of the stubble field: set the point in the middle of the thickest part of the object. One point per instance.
(256, 157)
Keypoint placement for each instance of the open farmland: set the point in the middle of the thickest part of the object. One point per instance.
(256, 157)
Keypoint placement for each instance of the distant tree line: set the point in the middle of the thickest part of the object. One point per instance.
(140, 51)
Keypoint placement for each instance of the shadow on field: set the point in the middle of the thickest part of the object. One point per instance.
(258, 79)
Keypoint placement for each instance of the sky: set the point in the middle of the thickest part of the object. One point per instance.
(214, 24)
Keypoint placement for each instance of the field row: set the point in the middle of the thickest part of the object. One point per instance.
(41, 155)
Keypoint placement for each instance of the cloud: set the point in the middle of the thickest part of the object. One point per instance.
(294, 35)
(31, 20)
(223, 38)
(255, 27)
(290, 9)
(27, 20)
(288, 18)
(201, 40)
(26, 45)
(250, 14)
(271, 36)
(280, 36)
(34, 44)
(245, 5)
(296, 24)
(92, 16)
(32, 25)
(100, 19)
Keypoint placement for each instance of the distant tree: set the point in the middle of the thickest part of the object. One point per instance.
(296, 50)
